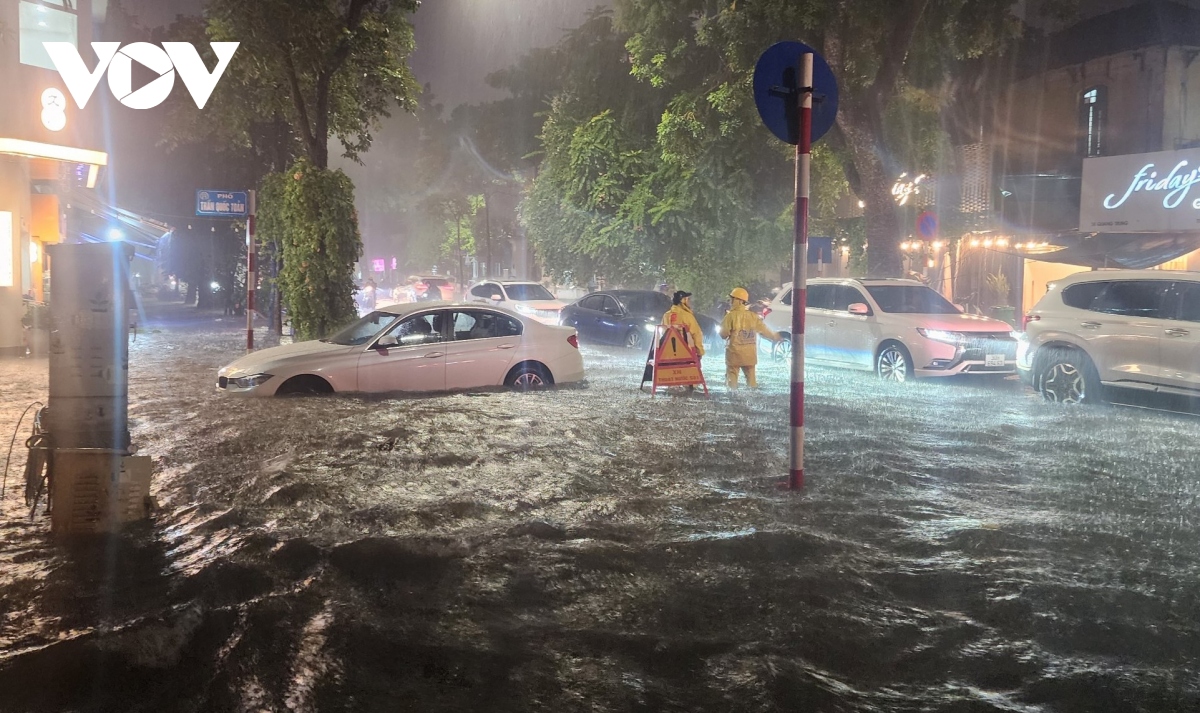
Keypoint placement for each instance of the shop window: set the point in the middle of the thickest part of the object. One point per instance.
(49, 21)
(1093, 116)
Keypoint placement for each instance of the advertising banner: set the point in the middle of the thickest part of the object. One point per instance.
(1141, 193)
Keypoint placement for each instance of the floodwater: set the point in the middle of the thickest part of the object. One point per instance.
(959, 547)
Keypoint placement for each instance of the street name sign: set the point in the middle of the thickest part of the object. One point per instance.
(222, 204)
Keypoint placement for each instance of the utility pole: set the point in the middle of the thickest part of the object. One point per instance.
(487, 230)
(462, 282)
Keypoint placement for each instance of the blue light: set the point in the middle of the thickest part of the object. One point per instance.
(115, 234)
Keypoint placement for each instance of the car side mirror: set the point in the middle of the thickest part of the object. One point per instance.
(860, 309)
(387, 342)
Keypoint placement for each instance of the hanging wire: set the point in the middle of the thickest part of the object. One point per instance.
(4, 482)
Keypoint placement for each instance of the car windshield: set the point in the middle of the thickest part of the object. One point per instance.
(654, 303)
(363, 330)
(910, 299)
(527, 293)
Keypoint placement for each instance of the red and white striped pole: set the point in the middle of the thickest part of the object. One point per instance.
(251, 274)
(800, 269)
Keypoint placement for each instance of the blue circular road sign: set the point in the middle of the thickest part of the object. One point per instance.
(777, 83)
(927, 225)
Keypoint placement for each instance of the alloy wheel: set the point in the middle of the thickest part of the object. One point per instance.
(782, 350)
(893, 366)
(1063, 383)
(528, 379)
(633, 340)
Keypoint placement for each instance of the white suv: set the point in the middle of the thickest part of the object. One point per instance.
(1121, 329)
(529, 298)
(900, 329)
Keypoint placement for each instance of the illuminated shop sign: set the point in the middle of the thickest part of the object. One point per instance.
(54, 110)
(1141, 193)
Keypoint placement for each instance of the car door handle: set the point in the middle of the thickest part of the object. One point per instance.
(507, 346)
(1177, 332)
(434, 355)
(1090, 325)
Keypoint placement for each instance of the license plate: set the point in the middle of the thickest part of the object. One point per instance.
(994, 360)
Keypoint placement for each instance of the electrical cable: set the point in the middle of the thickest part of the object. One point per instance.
(4, 482)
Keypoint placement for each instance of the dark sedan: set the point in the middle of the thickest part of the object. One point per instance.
(627, 317)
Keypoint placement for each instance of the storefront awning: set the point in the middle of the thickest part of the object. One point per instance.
(1116, 250)
(144, 234)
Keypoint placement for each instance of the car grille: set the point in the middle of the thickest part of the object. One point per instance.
(978, 346)
(547, 313)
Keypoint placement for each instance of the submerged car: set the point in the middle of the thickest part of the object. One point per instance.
(628, 318)
(1136, 330)
(415, 347)
(900, 329)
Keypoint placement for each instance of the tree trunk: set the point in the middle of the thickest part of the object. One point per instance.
(883, 220)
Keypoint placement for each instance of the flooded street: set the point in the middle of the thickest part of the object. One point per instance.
(959, 547)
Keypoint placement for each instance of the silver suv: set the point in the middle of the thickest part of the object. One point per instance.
(1114, 329)
(900, 329)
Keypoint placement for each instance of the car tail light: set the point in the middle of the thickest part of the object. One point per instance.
(573, 341)
(766, 311)
(1031, 317)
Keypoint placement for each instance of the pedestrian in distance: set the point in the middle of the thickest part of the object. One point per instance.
(741, 328)
(682, 317)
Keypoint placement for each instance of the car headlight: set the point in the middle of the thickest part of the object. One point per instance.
(651, 327)
(249, 382)
(939, 335)
(525, 309)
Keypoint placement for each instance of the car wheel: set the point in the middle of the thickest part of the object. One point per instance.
(306, 385)
(1067, 376)
(893, 363)
(782, 350)
(528, 376)
(633, 339)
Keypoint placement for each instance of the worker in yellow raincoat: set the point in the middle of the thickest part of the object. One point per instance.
(681, 316)
(742, 327)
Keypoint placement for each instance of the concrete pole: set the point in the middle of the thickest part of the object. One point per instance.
(800, 271)
(251, 274)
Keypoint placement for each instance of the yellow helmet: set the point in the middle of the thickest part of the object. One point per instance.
(740, 294)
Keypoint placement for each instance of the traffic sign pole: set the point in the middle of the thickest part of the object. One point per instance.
(800, 268)
(251, 272)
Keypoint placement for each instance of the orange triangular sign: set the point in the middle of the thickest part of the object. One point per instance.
(675, 362)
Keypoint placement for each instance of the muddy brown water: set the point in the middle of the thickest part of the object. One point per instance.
(959, 547)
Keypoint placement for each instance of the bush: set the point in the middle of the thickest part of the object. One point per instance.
(309, 214)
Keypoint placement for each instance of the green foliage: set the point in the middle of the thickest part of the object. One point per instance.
(321, 67)
(311, 216)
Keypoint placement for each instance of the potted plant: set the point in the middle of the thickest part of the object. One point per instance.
(36, 327)
(997, 284)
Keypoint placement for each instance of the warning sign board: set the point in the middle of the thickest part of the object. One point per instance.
(673, 362)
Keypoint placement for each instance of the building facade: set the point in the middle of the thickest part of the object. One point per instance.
(1124, 83)
(48, 146)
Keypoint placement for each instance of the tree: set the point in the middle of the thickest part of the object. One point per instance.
(891, 60)
(306, 71)
(328, 68)
(643, 179)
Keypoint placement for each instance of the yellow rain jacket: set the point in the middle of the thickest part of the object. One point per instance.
(682, 317)
(742, 327)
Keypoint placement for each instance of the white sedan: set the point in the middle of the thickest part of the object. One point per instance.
(427, 346)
